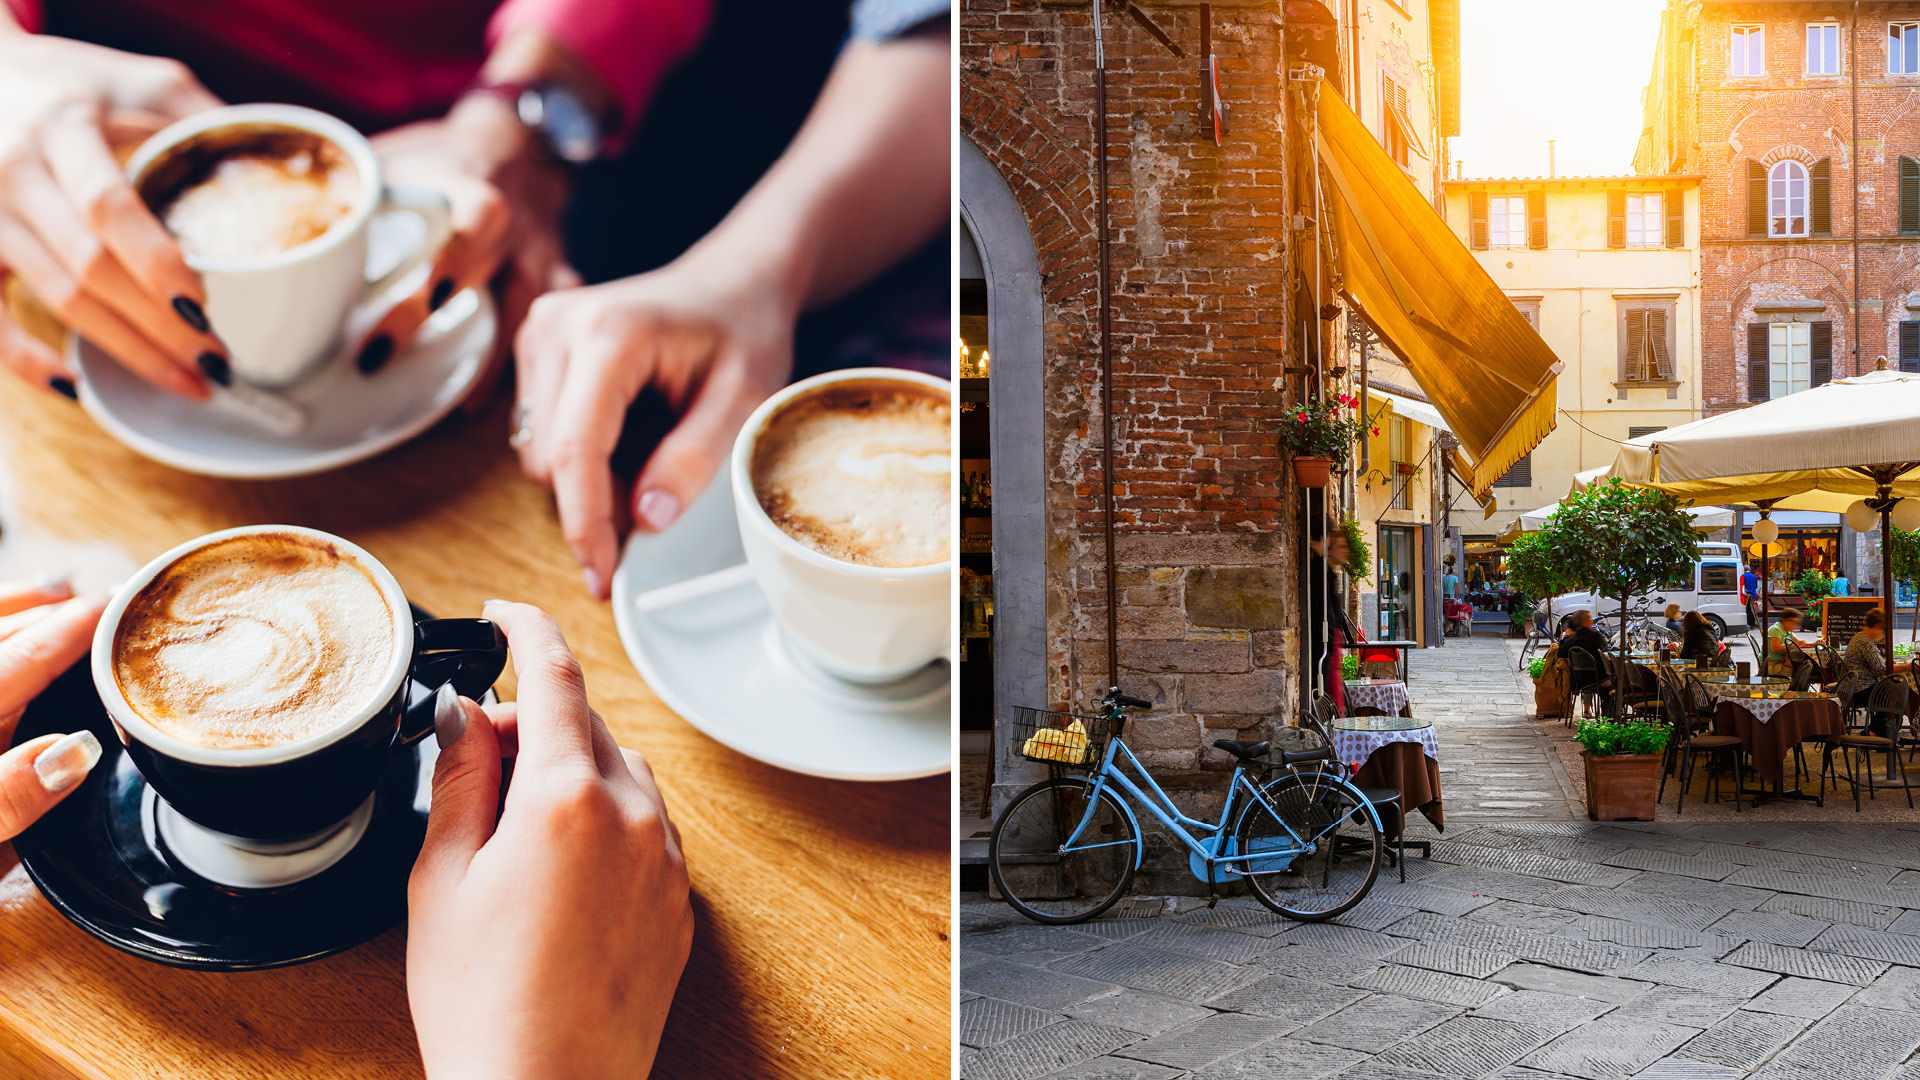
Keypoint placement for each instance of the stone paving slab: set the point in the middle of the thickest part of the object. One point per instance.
(986, 1021)
(1827, 909)
(1206, 1041)
(1877, 944)
(1647, 935)
(1608, 1048)
(1223, 945)
(1743, 1040)
(1159, 970)
(1550, 1012)
(1046, 1050)
(1772, 927)
(1469, 1046)
(1679, 1068)
(1317, 963)
(1855, 1042)
(1283, 997)
(1108, 1068)
(1806, 963)
(1680, 1007)
(1138, 1011)
(1376, 1022)
(1572, 983)
(1453, 959)
(1636, 907)
(1899, 988)
(1290, 1058)
(1703, 975)
(1811, 999)
(1429, 985)
(1026, 985)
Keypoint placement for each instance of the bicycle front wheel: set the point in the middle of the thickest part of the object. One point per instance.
(1050, 868)
(1326, 843)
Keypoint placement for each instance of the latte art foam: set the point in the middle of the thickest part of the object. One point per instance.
(861, 471)
(254, 641)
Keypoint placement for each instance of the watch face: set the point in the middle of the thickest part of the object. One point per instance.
(568, 126)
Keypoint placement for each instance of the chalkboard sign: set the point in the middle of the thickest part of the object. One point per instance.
(1841, 617)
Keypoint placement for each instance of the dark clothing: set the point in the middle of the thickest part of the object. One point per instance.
(1699, 645)
(1678, 628)
(1595, 643)
(1323, 582)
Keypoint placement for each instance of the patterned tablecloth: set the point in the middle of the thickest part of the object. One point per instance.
(1355, 747)
(1387, 695)
(1719, 690)
(1763, 708)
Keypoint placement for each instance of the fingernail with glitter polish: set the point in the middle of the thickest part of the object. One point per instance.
(63, 764)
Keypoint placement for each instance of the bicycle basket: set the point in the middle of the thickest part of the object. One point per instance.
(1059, 738)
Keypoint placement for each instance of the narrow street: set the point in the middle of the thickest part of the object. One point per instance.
(1495, 763)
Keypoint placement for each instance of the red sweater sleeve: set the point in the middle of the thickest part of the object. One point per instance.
(28, 13)
(630, 43)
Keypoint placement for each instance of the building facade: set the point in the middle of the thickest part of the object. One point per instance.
(1215, 328)
(1607, 270)
(1803, 122)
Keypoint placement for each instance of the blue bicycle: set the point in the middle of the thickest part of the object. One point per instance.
(1307, 842)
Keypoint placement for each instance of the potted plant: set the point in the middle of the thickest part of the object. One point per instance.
(1814, 586)
(1319, 432)
(1359, 552)
(1623, 767)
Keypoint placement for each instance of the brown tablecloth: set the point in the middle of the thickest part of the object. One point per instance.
(1769, 743)
(1407, 767)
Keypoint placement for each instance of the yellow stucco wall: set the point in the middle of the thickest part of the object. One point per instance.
(1579, 284)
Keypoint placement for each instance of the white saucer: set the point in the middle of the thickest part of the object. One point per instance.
(350, 416)
(711, 651)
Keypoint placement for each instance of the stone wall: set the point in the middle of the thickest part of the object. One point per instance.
(1205, 506)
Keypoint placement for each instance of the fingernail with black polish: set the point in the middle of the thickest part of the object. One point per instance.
(375, 354)
(216, 368)
(441, 292)
(191, 313)
(64, 387)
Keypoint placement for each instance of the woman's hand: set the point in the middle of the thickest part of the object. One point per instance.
(712, 332)
(505, 207)
(43, 631)
(74, 230)
(544, 937)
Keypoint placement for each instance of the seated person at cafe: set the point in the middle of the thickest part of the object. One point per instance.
(1582, 635)
(1864, 664)
(1696, 639)
(1673, 620)
(1779, 641)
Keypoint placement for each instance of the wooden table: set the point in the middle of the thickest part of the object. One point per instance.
(824, 908)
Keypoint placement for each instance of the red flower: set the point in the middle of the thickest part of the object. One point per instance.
(1376, 431)
(1302, 418)
(1355, 403)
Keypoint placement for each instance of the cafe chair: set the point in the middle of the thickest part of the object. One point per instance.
(1582, 662)
(1698, 700)
(1386, 800)
(1684, 748)
(1889, 700)
(1828, 662)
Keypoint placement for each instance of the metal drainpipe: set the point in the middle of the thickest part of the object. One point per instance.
(1106, 341)
(1853, 181)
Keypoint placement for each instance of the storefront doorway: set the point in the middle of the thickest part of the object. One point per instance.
(1398, 582)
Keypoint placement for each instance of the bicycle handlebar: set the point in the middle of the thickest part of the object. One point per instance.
(1115, 697)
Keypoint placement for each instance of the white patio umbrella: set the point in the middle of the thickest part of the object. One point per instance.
(1850, 446)
(1704, 517)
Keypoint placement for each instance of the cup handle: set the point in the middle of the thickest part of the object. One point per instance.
(467, 654)
(432, 207)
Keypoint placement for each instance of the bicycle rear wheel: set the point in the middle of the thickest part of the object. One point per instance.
(1336, 827)
(1039, 874)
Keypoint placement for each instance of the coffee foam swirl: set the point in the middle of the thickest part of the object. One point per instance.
(861, 471)
(254, 641)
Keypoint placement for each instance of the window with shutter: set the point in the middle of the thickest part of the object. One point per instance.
(1676, 205)
(1903, 48)
(1820, 352)
(1787, 199)
(1756, 199)
(1507, 221)
(1657, 344)
(1758, 365)
(1644, 221)
(1636, 432)
(1519, 476)
(1749, 53)
(1789, 358)
(1616, 219)
(1909, 196)
(1537, 220)
(1477, 220)
(1638, 368)
(1820, 198)
(1910, 345)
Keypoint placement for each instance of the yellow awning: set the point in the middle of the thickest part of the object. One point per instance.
(1463, 341)
(1465, 475)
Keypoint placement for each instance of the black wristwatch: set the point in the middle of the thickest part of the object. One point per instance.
(562, 125)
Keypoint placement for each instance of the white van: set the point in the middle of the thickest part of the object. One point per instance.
(1712, 588)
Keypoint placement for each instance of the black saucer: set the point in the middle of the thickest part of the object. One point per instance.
(97, 858)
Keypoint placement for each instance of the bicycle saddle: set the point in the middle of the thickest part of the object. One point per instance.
(1245, 751)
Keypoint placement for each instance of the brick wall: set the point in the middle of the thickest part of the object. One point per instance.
(1201, 268)
(1788, 114)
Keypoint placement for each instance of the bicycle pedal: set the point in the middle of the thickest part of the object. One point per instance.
(1213, 902)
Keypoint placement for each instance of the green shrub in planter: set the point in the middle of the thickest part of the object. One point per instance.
(1349, 666)
(1535, 666)
(1605, 738)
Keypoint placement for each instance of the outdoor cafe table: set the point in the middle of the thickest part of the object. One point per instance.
(822, 907)
(1385, 696)
(1725, 683)
(1770, 726)
(1397, 752)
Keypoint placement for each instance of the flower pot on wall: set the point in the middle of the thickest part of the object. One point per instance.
(1621, 787)
(1313, 472)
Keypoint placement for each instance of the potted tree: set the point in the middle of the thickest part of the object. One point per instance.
(1319, 433)
(1906, 569)
(1813, 586)
(1623, 767)
(1621, 541)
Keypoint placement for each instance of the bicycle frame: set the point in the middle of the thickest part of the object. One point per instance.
(1162, 807)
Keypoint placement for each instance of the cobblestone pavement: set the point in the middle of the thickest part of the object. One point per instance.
(1495, 762)
(1520, 951)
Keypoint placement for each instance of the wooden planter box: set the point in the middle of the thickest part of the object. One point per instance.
(1621, 787)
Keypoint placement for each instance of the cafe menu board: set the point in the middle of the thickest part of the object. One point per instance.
(1841, 617)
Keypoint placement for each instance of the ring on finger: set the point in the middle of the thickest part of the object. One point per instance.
(522, 427)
